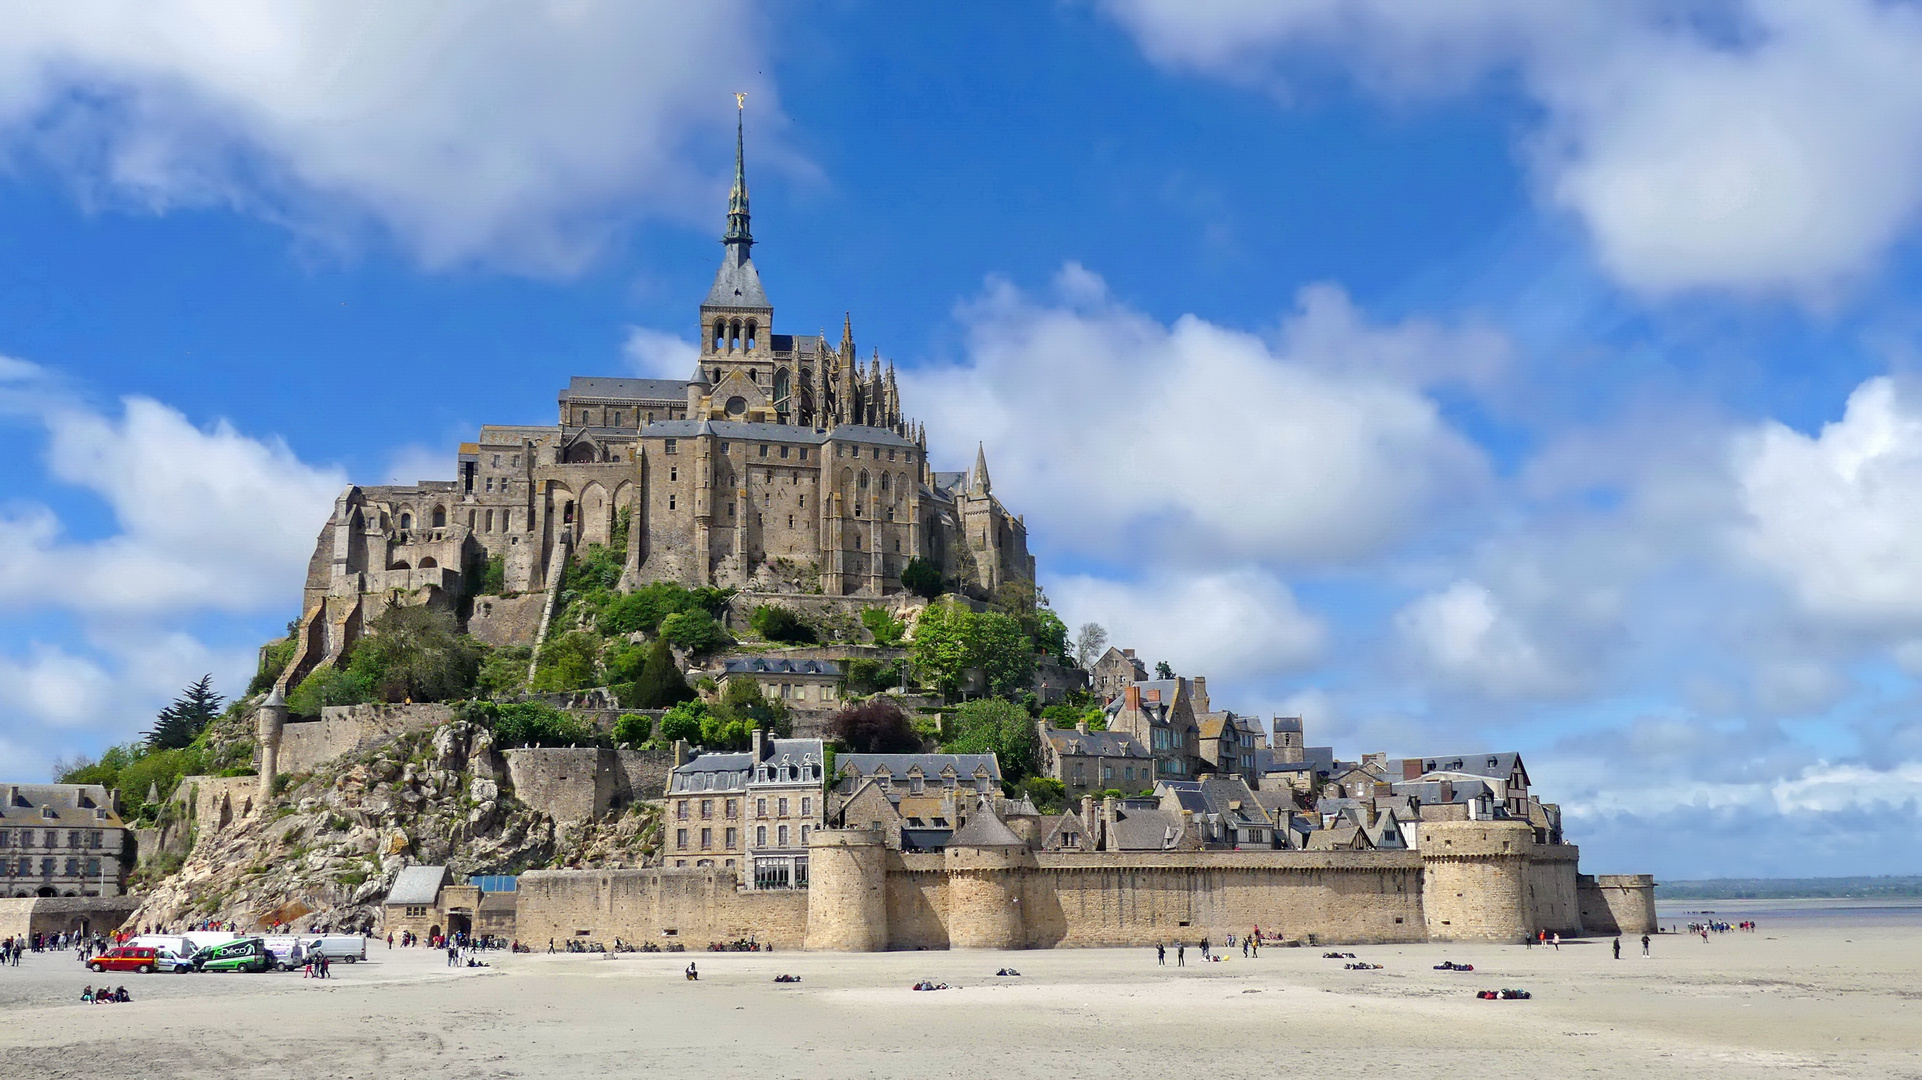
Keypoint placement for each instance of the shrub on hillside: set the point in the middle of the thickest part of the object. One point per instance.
(274, 657)
(532, 723)
(568, 662)
(683, 721)
(633, 729)
(781, 624)
(696, 631)
(885, 629)
(922, 578)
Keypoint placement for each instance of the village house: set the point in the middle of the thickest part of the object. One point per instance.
(1090, 762)
(61, 840)
(752, 809)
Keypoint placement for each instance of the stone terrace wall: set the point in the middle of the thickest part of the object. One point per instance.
(507, 620)
(1552, 904)
(693, 906)
(567, 783)
(305, 745)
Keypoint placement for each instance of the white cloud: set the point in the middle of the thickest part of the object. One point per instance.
(55, 687)
(1229, 625)
(414, 462)
(1772, 144)
(1835, 516)
(655, 354)
(1205, 443)
(1463, 635)
(514, 133)
(208, 518)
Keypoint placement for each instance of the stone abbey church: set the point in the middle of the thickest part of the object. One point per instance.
(783, 463)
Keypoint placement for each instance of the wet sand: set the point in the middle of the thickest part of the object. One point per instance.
(1839, 994)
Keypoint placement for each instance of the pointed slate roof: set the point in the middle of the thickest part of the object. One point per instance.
(984, 829)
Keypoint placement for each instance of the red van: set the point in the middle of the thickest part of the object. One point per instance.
(125, 958)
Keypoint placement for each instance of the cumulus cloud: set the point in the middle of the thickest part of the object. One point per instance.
(1203, 442)
(1835, 515)
(1232, 625)
(1462, 634)
(656, 354)
(510, 133)
(55, 687)
(208, 518)
(1771, 145)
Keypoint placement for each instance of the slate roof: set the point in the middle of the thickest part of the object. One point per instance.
(780, 665)
(984, 829)
(1494, 766)
(602, 386)
(713, 772)
(417, 885)
(792, 433)
(898, 765)
(63, 804)
(1095, 743)
(737, 284)
(1146, 830)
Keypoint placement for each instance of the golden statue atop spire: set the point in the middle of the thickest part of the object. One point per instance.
(740, 100)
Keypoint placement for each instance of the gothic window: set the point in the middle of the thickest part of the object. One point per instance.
(782, 386)
(884, 481)
(863, 481)
(490, 521)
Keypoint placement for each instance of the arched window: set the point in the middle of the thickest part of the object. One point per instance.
(428, 563)
(884, 481)
(864, 480)
(750, 335)
(734, 336)
(720, 339)
(400, 564)
(406, 521)
(567, 512)
(440, 517)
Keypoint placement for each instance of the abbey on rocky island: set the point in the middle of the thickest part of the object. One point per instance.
(783, 463)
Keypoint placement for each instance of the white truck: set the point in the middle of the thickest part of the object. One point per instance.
(347, 948)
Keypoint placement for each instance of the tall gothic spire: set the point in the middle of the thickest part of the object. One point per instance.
(737, 215)
(980, 484)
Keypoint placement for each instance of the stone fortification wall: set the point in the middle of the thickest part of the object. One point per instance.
(567, 783)
(305, 745)
(1617, 903)
(1475, 880)
(215, 802)
(693, 906)
(847, 894)
(504, 621)
(644, 772)
(1550, 890)
(51, 915)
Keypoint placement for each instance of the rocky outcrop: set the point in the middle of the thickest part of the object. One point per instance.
(325, 851)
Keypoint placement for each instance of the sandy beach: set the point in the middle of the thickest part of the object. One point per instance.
(1835, 990)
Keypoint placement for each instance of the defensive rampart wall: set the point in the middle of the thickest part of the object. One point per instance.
(1617, 903)
(305, 745)
(693, 906)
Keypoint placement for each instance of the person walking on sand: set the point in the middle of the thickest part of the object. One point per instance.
(1618, 946)
(1181, 954)
(1644, 944)
(1556, 940)
(1161, 955)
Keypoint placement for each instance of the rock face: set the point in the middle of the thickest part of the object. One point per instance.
(325, 852)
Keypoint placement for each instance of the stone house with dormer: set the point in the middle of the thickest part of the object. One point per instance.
(62, 840)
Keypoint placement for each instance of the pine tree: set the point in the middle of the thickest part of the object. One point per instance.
(179, 724)
(660, 684)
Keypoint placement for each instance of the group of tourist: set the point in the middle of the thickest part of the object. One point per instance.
(1712, 926)
(104, 996)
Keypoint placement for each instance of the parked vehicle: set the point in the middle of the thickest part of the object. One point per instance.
(126, 958)
(243, 954)
(351, 948)
(171, 953)
(201, 939)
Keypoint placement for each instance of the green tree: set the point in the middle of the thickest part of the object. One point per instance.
(941, 648)
(180, 723)
(777, 623)
(660, 683)
(998, 727)
(1048, 795)
(921, 578)
(696, 631)
(504, 671)
(274, 657)
(1163, 671)
(683, 721)
(1003, 652)
(417, 653)
(568, 662)
(633, 729)
(492, 580)
(743, 702)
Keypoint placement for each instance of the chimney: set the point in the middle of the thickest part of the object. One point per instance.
(1131, 698)
(1107, 822)
(1201, 693)
(1081, 726)
(757, 744)
(682, 752)
(1089, 822)
(1129, 653)
(1410, 768)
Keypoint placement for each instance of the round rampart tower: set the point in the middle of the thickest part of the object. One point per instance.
(270, 720)
(986, 864)
(1474, 880)
(847, 890)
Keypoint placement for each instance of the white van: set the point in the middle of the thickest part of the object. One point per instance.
(201, 939)
(351, 948)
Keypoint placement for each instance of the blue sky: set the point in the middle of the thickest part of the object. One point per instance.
(1481, 374)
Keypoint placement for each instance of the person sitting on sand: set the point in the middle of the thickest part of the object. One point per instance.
(120, 994)
(86, 994)
(693, 974)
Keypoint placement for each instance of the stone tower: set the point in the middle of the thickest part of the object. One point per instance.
(986, 865)
(1475, 880)
(737, 358)
(270, 719)
(847, 890)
